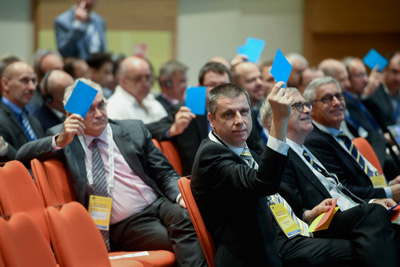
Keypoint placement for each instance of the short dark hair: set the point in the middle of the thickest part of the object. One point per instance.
(229, 90)
(97, 60)
(214, 67)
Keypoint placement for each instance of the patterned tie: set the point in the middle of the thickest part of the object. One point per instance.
(99, 180)
(27, 126)
(246, 155)
(355, 153)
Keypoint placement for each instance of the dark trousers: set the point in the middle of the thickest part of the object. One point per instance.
(162, 225)
(360, 236)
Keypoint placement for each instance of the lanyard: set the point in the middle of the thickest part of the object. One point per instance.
(110, 150)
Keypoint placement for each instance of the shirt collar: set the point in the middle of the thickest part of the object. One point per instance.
(172, 101)
(102, 137)
(326, 129)
(17, 110)
(215, 138)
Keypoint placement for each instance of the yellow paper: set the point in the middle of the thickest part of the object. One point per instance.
(282, 217)
(314, 224)
(378, 181)
(100, 211)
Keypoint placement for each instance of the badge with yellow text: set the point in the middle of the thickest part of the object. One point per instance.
(378, 181)
(282, 217)
(100, 210)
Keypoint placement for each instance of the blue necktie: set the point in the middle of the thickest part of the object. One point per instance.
(27, 126)
(356, 154)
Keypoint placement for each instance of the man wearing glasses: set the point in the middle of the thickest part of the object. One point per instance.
(335, 150)
(132, 98)
(306, 183)
(16, 125)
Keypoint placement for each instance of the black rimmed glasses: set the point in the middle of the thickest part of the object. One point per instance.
(299, 106)
(328, 98)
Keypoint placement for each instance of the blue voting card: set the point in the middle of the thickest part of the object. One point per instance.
(252, 49)
(81, 99)
(196, 99)
(373, 58)
(281, 68)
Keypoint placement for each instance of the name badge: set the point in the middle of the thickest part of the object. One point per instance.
(100, 211)
(378, 181)
(285, 221)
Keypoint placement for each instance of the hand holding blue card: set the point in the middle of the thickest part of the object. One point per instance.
(281, 68)
(252, 49)
(373, 58)
(196, 99)
(81, 99)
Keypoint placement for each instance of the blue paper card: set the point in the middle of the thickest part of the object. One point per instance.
(196, 99)
(252, 49)
(281, 68)
(81, 99)
(373, 58)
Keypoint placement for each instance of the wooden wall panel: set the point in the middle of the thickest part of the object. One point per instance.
(340, 28)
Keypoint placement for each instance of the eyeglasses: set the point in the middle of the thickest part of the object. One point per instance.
(299, 106)
(328, 98)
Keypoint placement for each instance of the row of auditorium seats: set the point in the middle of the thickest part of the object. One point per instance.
(63, 224)
(51, 213)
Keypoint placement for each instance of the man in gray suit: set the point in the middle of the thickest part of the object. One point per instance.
(147, 208)
(80, 31)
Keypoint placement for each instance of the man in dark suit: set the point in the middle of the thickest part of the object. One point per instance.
(16, 126)
(230, 188)
(80, 31)
(328, 144)
(185, 129)
(173, 82)
(305, 175)
(52, 89)
(147, 209)
(352, 78)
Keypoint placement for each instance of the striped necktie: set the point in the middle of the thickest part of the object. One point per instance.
(246, 155)
(355, 153)
(99, 180)
(27, 126)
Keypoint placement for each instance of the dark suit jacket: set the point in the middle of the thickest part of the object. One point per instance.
(337, 160)
(231, 198)
(186, 143)
(299, 181)
(375, 138)
(134, 142)
(381, 108)
(75, 43)
(47, 117)
(12, 131)
(164, 102)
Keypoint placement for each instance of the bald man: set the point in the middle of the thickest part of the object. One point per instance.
(132, 98)
(52, 89)
(16, 125)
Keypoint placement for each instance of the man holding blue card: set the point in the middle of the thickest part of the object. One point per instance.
(384, 104)
(118, 162)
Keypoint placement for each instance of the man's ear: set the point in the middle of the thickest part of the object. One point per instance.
(211, 119)
(4, 83)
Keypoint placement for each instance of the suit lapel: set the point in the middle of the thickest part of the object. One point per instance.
(308, 174)
(128, 151)
(202, 125)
